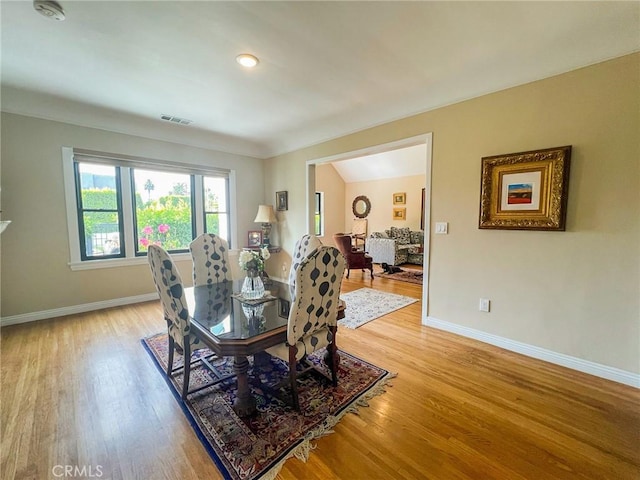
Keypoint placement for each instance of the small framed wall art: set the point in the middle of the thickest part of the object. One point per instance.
(399, 213)
(400, 198)
(282, 201)
(254, 238)
(526, 190)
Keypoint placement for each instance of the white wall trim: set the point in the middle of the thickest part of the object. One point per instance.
(585, 366)
(73, 309)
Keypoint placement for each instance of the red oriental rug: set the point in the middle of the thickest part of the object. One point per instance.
(256, 447)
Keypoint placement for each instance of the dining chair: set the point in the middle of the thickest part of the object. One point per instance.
(210, 255)
(312, 322)
(304, 246)
(176, 312)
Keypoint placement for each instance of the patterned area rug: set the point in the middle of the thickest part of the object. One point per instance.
(407, 275)
(366, 304)
(257, 447)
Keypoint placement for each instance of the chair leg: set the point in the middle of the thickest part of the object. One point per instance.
(332, 361)
(348, 271)
(172, 348)
(292, 377)
(187, 368)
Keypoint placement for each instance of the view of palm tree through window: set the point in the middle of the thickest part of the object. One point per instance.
(163, 210)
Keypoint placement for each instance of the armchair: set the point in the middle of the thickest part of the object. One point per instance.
(355, 258)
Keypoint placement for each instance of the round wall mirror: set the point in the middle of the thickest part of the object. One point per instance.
(361, 206)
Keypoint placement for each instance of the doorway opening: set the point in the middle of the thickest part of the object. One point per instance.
(374, 152)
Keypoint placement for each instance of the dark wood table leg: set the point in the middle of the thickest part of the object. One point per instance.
(245, 404)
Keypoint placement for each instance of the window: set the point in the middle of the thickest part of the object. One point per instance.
(163, 210)
(99, 205)
(319, 223)
(216, 212)
(118, 206)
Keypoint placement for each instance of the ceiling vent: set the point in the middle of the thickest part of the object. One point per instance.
(49, 9)
(171, 118)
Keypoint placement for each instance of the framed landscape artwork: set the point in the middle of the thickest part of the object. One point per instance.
(526, 190)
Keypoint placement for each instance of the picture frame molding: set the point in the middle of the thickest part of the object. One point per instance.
(525, 190)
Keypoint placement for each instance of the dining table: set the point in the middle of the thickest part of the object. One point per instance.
(233, 326)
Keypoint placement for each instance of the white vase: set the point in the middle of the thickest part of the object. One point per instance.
(252, 287)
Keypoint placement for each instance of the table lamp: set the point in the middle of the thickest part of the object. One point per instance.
(266, 216)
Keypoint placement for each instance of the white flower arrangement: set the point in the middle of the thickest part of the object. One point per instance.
(253, 259)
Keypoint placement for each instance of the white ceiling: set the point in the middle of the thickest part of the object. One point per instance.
(403, 162)
(326, 68)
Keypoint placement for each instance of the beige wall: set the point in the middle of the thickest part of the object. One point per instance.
(35, 248)
(329, 181)
(380, 193)
(575, 292)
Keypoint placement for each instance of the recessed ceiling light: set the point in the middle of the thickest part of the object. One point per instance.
(49, 9)
(247, 60)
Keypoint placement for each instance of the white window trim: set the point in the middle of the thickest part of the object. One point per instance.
(75, 261)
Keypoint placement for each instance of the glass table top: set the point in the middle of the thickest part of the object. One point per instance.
(219, 311)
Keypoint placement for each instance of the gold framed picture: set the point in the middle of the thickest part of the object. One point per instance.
(399, 213)
(526, 190)
(400, 198)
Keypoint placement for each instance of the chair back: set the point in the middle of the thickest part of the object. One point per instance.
(317, 294)
(359, 227)
(304, 246)
(210, 255)
(169, 285)
(343, 242)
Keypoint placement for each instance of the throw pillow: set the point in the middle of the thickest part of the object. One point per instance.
(402, 235)
(417, 237)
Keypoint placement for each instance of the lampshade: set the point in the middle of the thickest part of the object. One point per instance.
(265, 214)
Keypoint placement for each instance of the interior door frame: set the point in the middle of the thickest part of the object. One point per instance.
(426, 139)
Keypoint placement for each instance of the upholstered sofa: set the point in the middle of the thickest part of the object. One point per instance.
(396, 246)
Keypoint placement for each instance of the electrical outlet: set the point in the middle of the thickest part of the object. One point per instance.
(485, 304)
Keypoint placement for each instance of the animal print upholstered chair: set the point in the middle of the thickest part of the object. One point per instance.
(210, 254)
(313, 314)
(304, 246)
(176, 313)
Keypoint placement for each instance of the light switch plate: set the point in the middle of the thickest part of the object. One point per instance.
(442, 228)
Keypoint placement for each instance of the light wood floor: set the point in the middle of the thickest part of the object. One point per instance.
(81, 390)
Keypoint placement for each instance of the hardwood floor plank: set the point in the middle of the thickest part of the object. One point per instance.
(81, 390)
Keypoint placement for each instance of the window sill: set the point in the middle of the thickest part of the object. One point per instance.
(121, 262)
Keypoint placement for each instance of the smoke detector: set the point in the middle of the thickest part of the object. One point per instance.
(49, 9)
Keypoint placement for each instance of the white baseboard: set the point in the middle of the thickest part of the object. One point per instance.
(86, 307)
(585, 366)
